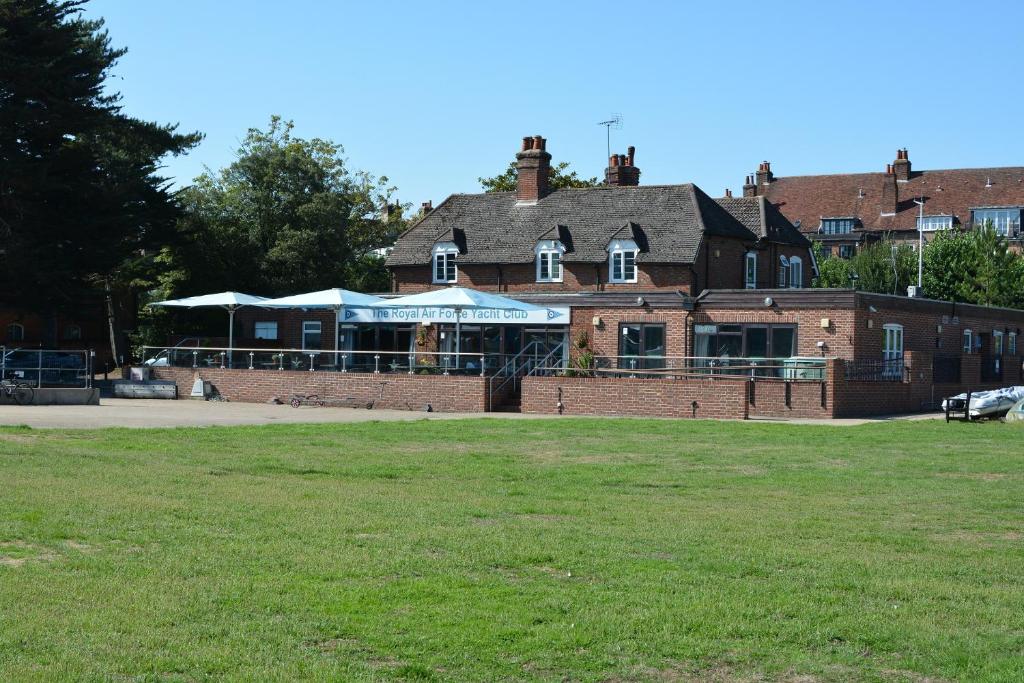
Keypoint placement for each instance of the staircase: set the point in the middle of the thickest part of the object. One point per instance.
(505, 386)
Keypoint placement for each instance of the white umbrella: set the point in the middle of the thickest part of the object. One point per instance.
(460, 299)
(230, 301)
(335, 299)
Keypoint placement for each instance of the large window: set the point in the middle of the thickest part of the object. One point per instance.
(265, 330)
(549, 261)
(1005, 221)
(892, 350)
(311, 336)
(750, 268)
(837, 226)
(622, 261)
(846, 251)
(796, 272)
(444, 262)
(15, 332)
(754, 344)
(933, 223)
(783, 281)
(641, 346)
(1012, 346)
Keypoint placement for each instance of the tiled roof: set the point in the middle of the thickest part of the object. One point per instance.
(763, 219)
(667, 221)
(946, 192)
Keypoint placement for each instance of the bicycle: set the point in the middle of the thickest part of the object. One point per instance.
(21, 392)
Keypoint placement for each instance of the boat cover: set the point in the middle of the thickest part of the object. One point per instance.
(988, 403)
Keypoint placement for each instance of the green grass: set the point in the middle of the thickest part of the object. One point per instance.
(489, 550)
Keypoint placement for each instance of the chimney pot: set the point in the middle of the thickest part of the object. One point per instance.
(533, 165)
(427, 206)
(630, 155)
(613, 161)
(621, 172)
(728, 192)
(538, 142)
(527, 143)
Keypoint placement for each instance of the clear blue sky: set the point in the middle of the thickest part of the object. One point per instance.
(435, 94)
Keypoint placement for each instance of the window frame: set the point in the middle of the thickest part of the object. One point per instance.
(750, 270)
(319, 331)
(928, 220)
(551, 252)
(1011, 344)
(998, 342)
(256, 330)
(72, 333)
(1005, 226)
(641, 354)
(782, 281)
(618, 250)
(445, 253)
(967, 340)
(796, 272)
(837, 225)
(15, 336)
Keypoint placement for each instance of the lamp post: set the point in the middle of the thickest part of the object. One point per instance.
(920, 243)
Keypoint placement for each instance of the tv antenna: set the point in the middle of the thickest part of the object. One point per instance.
(614, 122)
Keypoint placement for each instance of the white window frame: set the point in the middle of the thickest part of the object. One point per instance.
(847, 251)
(620, 250)
(891, 355)
(256, 334)
(15, 336)
(998, 342)
(447, 254)
(549, 252)
(1012, 344)
(796, 272)
(750, 270)
(967, 341)
(307, 328)
(935, 222)
(783, 279)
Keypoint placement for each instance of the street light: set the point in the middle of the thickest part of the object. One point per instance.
(920, 242)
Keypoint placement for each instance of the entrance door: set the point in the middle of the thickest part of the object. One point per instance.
(892, 350)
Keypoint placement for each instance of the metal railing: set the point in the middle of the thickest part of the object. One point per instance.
(889, 370)
(535, 357)
(48, 368)
(701, 367)
(319, 360)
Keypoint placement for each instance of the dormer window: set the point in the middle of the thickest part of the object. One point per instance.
(622, 261)
(837, 226)
(549, 260)
(933, 223)
(445, 271)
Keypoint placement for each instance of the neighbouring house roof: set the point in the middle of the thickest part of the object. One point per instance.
(763, 219)
(668, 223)
(946, 192)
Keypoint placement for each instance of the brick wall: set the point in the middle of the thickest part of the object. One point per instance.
(604, 338)
(446, 394)
(717, 399)
(522, 277)
(839, 336)
(799, 399)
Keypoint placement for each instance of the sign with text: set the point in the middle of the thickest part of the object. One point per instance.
(471, 316)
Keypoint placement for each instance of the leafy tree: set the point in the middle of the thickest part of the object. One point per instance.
(559, 177)
(885, 267)
(974, 266)
(81, 203)
(287, 216)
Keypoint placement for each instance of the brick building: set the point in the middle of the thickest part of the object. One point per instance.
(684, 305)
(845, 210)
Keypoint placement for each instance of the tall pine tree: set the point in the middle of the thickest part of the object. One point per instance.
(81, 202)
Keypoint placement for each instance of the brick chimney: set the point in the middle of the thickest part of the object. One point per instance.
(901, 167)
(534, 164)
(764, 173)
(749, 188)
(621, 171)
(728, 193)
(890, 194)
(426, 207)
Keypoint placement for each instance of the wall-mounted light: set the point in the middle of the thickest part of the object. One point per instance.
(768, 301)
(596, 321)
(640, 301)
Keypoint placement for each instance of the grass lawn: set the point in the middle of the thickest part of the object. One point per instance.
(487, 550)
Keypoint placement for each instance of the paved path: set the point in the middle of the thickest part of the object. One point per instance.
(120, 412)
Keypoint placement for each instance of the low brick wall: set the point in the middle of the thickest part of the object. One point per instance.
(611, 396)
(445, 394)
(779, 398)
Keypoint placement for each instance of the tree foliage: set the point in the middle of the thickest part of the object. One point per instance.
(82, 207)
(559, 175)
(286, 216)
(974, 266)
